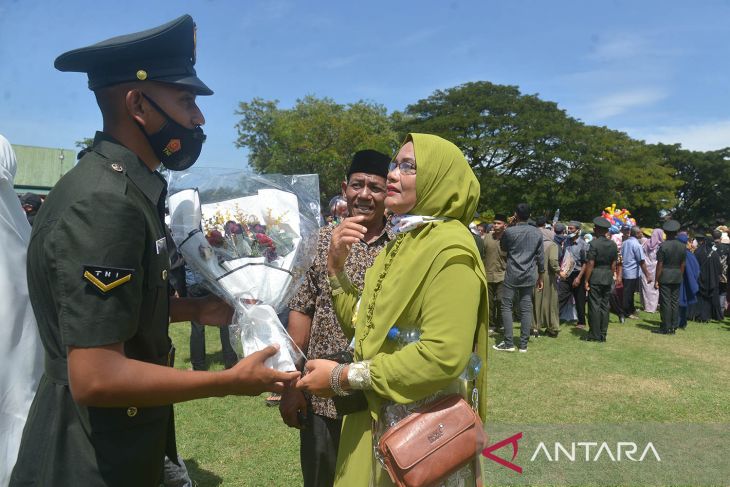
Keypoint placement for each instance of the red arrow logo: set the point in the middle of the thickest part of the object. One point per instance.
(487, 452)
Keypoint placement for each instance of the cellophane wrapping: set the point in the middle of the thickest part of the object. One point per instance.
(251, 238)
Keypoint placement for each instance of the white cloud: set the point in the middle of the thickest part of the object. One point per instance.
(701, 137)
(617, 103)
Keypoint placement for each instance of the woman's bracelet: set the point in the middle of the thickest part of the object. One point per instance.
(335, 380)
(358, 375)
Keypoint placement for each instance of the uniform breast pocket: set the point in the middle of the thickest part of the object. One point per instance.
(158, 270)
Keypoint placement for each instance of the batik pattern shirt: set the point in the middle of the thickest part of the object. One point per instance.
(314, 298)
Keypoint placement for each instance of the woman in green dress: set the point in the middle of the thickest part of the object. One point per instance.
(427, 284)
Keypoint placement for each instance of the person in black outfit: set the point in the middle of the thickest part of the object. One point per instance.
(671, 259)
(708, 299)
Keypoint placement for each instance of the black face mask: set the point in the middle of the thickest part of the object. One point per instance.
(175, 146)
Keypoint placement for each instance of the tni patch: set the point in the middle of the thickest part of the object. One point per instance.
(107, 278)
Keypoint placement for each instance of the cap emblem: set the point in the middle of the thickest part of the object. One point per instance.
(141, 75)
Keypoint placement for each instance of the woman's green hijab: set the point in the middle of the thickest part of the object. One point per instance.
(445, 187)
(445, 183)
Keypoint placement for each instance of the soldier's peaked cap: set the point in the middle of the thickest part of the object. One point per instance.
(671, 226)
(601, 222)
(165, 54)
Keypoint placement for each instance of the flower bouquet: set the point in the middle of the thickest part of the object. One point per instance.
(252, 238)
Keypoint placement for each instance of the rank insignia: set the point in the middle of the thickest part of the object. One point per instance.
(107, 278)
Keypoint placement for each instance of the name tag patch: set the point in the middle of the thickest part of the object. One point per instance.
(160, 245)
(107, 278)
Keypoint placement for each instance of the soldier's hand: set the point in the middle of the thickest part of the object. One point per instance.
(587, 286)
(251, 377)
(348, 232)
(293, 403)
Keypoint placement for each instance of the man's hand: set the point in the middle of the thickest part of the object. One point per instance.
(317, 378)
(292, 404)
(540, 284)
(587, 286)
(250, 377)
(214, 311)
(576, 282)
(656, 285)
(348, 232)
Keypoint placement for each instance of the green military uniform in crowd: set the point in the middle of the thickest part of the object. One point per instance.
(671, 255)
(495, 264)
(98, 275)
(602, 253)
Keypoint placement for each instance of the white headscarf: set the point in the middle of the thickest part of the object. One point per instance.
(20, 345)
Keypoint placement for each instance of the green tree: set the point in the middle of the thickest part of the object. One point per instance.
(610, 167)
(512, 141)
(702, 198)
(525, 149)
(317, 135)
(85, 143)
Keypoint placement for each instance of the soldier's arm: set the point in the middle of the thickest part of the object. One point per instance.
(590, 263)
(208, 310)
(105, 377)
(588, 266)
(98, 318)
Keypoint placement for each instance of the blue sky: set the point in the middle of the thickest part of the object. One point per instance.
(658, 70)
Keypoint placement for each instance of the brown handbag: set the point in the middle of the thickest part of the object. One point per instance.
(432, 442)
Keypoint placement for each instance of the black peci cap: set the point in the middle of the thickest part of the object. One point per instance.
(165, 54)
(370, 162)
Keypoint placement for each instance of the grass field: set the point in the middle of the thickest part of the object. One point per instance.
(636, 376)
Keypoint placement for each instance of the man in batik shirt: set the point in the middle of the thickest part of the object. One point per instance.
(312, 321)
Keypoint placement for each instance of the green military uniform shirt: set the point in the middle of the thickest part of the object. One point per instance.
(603, 253)
(97, 275)
(672, 254)
(495, 259)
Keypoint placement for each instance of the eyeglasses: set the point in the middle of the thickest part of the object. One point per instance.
(405, 167)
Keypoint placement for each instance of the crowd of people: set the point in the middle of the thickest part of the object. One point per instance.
(553, 280)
